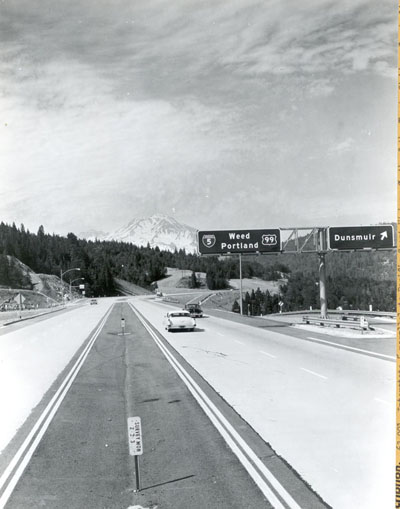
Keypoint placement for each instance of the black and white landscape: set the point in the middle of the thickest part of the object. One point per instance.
(127, 128)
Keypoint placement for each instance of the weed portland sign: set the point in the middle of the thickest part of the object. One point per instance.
(239, 241)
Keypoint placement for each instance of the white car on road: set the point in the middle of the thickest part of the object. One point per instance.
(179, 320)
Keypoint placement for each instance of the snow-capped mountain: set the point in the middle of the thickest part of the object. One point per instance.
(158, 230)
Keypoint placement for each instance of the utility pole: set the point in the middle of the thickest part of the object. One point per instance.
(62, 283)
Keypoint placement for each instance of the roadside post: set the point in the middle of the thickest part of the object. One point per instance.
(135, 445)
(123, 326)
(363, 323)
(20, 300)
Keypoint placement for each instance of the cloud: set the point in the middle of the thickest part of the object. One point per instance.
(122, 108)
(244, 37)
(320, 87)
(72, 142)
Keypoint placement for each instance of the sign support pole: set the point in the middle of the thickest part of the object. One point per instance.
(241, 288)
(322, 274)
(322, 284)
(20, 305)
(137, 474)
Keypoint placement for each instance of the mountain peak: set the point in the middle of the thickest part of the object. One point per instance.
(158, 230)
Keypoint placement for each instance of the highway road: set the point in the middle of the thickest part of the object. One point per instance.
(72, 449)
(233, 415)
(328, 411)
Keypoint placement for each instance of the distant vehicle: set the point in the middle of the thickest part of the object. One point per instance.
(179, 320)
(194, 310)
(159, 294)
(93, 301)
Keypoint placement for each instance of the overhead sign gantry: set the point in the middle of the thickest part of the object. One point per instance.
(316, 239)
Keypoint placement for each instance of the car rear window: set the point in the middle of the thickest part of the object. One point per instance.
(179, 314)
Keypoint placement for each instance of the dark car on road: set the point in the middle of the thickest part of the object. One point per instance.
(194, 310)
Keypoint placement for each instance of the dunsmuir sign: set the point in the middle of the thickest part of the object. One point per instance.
(239, 241)
(361, 237)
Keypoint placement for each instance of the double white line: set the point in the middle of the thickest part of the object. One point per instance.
(273, 491)
(17, 465)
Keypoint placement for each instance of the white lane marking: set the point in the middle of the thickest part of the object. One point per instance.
(353, 348)
(382, 401)
(269, 354)
(239, 342)
(314, 373)
(27, 449)
(243, 452)
(140, 507)
(219, 334)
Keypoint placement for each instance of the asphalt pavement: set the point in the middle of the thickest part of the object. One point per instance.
(83, 458)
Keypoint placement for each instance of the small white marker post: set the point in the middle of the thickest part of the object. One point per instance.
(123, 325)
(19, 298)
(135, 445)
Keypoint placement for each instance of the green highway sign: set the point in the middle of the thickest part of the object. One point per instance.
(349, 238)
(239, 241)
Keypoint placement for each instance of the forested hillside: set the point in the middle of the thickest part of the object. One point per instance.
(100, 261)
(354, 279)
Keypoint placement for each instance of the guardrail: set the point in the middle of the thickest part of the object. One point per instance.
(345, 312)
(171, 299)
(347, 322)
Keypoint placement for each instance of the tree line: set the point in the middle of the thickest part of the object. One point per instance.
(301, 292)
(354, 279)
(258, 303)
(99, 261)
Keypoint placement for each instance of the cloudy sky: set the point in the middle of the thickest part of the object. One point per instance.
(221, 113)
